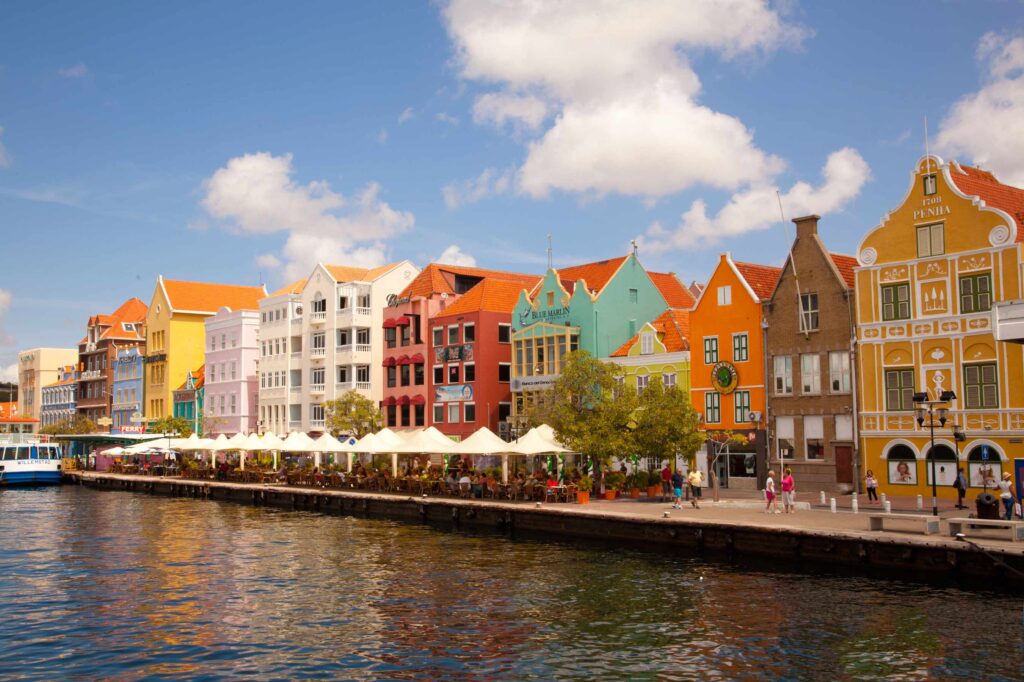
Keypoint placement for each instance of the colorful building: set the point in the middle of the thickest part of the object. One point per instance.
(412, 370)
(40, 367)
(97, 355)
(126, 411)
(8, 409)
(728, 373)
(231, 386)
(810, 336)
(660, 349)
(58, 398)
(176, 333)
(928, 279)
(189, 400)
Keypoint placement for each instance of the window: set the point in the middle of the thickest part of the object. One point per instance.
(981, 386)
(815, 448)
(633, 295)
(896, 302)
(363, 374)
(468, 333)
(392, 376)
(363, 336)
(319, 304)
(417, 375)
(343, 303)
(438, 374)
(404, 375)
(504, 372)
(223, 342)
(976, 293)
(233, 403)
(213, 372)
(646, 343)
(320, 340)
(232, 371)
(814, 435)
(453, 374)
(712, 407)
(418, 414)
(930, 241)
(741, 406)
(642, 382)
(405, 335)
(740, 350)
(710, 350)
(551, 298)
(725, 295)
(929, 185)
(504, 333)
(469, 413)
(316, 376)
(453, 413)
(784, 438)
(392, 415)
(808, 312)
(899, 390)
(343, 374)
(839, 371)
(344, 338)
(221, 405)
(469, 372)
(439, 414)
(810, 374)
(669, 379)
(453, 335)
(405, 415)
(783, 374)
(390, 337)
(363, 300)
(438, 336)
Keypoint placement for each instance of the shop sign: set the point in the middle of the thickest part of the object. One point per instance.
(394, 301)
(132, 429)
(724, 377)
(528, 315)
(453, 353)
(453, 392)
(533, 383)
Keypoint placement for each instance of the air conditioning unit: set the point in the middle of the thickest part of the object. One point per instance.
(753, 416)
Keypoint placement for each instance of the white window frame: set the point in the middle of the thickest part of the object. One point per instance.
(842, 373)
(468, 325)
(505, 364)
(438, 410)
(810, 374)
(509, 326)
(646, 343)
(786, 374)
(642, 386)
(724, 295)
(465, 417)
(465, 365)
(810, 317)
(453, 410)
(434, 332)
(668, 379)
(929, 232)
(448, 335)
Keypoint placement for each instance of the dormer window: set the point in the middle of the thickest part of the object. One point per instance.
(646, 343)
(930, 185)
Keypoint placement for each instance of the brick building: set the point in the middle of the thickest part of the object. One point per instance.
(97, 357)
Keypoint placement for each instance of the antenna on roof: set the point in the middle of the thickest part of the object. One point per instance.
(927, 155)
(549, 253)
(635, 247)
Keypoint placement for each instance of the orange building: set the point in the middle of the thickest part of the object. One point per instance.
(728, 366)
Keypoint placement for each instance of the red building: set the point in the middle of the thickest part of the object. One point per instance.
(407, 330)
(97, 356)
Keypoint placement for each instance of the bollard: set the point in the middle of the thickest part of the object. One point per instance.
(887, 506)
(882, 497)
(920, 503)
(854, 507)
(832, 505)
(823, 498)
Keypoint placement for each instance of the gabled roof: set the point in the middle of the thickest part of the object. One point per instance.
(198, 379)
(293, 288)
(490, 295)
(673, 327)
(985, 186)
(436, 278)
(695, 289)
(203, 297)
(673, 291)
(845, 265)
(760, 278)
(596, 274)
(345, 273)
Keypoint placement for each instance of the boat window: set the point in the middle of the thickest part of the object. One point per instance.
(34, 452)
(8, 453)
(23, 452)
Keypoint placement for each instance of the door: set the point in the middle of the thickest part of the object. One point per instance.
(844, 464)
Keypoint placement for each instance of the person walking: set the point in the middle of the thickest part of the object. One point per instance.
(666, 480)
(961, 488)
(769, 494)
(677, 487)
(871, 483)
(1005, 495)
(788, 491)
(695, 479)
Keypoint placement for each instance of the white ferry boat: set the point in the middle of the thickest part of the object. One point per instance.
(28, 459)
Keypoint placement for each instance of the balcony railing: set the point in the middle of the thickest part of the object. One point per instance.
(316, 423)
(92, 374)
(318, 318)
(318, 352)
(363, 385)
(362, 348)
(316, 388)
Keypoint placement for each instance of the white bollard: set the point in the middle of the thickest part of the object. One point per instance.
(832, 505)
(854, 507)
(882, 497)
(887, 506)
(823, 498)
(920, 503)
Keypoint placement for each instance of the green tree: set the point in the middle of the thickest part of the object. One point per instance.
(179, 426)
(352, 414)
(78, 425)
(665, 425)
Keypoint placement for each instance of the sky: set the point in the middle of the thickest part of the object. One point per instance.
(243, 142)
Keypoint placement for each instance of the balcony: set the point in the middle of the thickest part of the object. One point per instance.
(92, 374)
(353, 317)
(318, 353)
(316, 425)
(362, 385)
(316, 389)
(318, 319)
(1008, 321)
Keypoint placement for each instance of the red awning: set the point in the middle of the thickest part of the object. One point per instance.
(390, 400)
(418, 400)
(403, 320)
(416, 359)
(402, 360)
(388, 324)
(389, 362)
(404, 400)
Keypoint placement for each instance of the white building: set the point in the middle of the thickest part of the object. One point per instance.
(40, 367)
(232, 358)
(320, 337)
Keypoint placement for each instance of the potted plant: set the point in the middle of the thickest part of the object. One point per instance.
(637, 481)
(653, 484)
(583, 488)
(613, 483)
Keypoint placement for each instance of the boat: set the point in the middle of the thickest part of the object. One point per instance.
(29, 459)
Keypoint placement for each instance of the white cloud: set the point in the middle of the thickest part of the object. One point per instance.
(617, 78)
(9, 373)
(79, 70)
(5, 305)
(269, 261)
(445, 117)
(988, 125)
(5, 158)
(406, 115)
(757, 208)
(489, 183)
(454, 255)
(257, 194)
(382, 136)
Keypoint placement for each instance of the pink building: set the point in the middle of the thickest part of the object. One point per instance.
(232, 386)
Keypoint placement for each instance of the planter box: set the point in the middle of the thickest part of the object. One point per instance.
(610, 494)
(654, 491)
(583, 497)
(634, 493)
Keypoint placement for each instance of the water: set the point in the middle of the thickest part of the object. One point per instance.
(124, 586)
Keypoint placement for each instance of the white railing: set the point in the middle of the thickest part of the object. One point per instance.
(362, 311)
(362, 348)
(363, 385)
(318, 317)
(316, 388)
(91, 374)
(317, 423)
(344, 386)
(23, 438)
(347, 348)
(318, 352)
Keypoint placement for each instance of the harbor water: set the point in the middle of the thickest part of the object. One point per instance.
(129, 586)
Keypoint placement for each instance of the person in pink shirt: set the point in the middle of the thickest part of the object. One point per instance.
(788, 491)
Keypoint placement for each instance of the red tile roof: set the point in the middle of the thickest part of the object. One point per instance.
(845, 265)
(986, 187)
(696, 289)
(673, 327)
(203, 297)
(198, 377)
(761, 278)
(437, 278)
(676, 295)
(490, 295)
(596, 275)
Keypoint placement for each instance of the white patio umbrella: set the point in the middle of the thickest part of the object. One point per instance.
(327, 444)
(114, 451)
(297, 441)
(486, 442)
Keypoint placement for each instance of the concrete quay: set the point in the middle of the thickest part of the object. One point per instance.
(804, 539)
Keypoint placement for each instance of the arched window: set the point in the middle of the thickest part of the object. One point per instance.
(945, 465)
(902, 465)
(984, 467)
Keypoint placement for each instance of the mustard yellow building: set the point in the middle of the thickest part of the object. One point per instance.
(176, 334)
(928, 279)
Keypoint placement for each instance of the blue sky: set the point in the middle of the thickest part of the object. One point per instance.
(237, 142)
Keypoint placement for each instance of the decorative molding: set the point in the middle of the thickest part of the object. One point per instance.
(868, 256)
(898, 273)
(999, 235)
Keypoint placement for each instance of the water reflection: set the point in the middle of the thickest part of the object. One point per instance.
(129, 586)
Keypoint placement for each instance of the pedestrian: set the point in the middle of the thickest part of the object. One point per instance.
(961, 488)
(871, 483)
(695, 479)
(789, 491)
(677, 486)
(666, 480)
(1005, 495)
(769, 494)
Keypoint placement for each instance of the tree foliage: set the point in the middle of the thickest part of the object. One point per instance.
(665, 425)
(78, 425)
(179, 426)
(352, 414)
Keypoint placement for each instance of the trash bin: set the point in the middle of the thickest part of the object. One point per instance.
(987, 505)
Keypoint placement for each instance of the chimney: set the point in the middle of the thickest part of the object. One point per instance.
(806, 226)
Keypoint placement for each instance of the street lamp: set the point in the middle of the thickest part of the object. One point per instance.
(932, 409)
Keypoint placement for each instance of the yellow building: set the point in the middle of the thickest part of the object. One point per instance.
(660, 349)
(176, 334)
(929, 276)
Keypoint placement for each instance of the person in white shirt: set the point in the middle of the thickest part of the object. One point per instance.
(1005, 486)
(769, 494)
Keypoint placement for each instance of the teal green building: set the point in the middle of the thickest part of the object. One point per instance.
(188, 399)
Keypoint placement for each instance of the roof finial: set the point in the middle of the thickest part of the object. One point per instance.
(636, 247)
(927, 155)
(550, 259)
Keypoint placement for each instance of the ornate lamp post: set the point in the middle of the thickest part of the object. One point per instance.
(932, 409)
